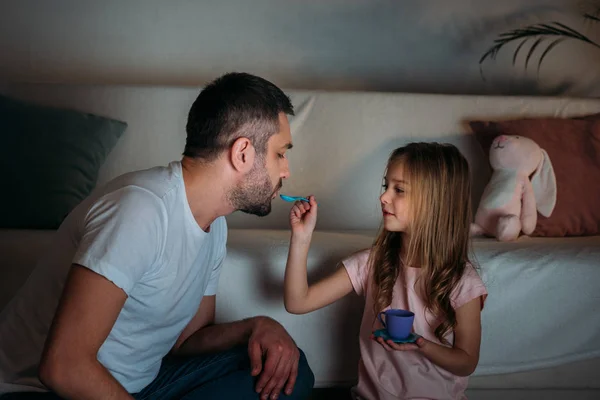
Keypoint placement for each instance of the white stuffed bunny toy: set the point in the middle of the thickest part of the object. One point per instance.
(522, 183)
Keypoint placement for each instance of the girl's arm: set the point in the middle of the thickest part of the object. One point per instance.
(299, 298)
(462, 358)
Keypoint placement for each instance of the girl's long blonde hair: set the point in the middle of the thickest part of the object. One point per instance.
(439, 200)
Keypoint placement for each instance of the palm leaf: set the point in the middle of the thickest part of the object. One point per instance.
(550, 47)
(517, 50)
(531, 50)
(590, 9)
(539, 33)
(592, 17)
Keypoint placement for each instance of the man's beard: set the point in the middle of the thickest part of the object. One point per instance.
(256, 192)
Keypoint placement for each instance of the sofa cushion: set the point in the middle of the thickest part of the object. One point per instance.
(573, 145)
(50, 159)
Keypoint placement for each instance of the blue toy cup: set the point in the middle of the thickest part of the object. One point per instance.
(398, 323)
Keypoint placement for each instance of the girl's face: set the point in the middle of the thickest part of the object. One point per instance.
(394, 199)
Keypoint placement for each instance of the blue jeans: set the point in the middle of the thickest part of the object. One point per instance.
(223, 375)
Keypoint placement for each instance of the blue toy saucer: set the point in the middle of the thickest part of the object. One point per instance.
(383, 333)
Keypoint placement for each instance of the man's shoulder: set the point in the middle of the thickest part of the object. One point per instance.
(157, 181)
(221, 223)
(132, 199)
(138, 190)
(219, 227)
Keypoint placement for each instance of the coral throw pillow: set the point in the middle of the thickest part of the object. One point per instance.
(573, 145)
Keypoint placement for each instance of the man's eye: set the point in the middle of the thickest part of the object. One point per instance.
(281, 155)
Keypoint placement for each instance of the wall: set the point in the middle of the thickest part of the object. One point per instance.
(403, 45)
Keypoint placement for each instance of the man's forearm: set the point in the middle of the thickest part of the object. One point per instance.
(218, 337)
(86, 381)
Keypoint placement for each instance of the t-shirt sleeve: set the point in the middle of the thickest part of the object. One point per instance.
(122, 236)
(213, 282)
(358, 270)
(469, 287)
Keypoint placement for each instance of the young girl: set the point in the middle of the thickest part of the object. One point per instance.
(418, 262)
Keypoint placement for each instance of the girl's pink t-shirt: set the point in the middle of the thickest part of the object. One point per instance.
(405, 374)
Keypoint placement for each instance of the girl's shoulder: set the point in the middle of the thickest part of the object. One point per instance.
(357, 267)
(359, 258)
(469, 287)
(470, 274)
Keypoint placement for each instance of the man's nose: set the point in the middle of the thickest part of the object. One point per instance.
(285, 173)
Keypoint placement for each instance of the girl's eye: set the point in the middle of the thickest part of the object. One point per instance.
(398, 190)
(384, 186)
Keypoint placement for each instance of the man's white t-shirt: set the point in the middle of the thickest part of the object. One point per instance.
(137, 231)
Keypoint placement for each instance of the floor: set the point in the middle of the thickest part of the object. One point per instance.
(474, 394)
(331, 394)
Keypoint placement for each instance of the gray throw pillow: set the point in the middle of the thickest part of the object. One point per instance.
(49, 158)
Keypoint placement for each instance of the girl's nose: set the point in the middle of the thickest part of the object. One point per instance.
(383, 198)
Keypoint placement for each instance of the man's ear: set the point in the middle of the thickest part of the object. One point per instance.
(242, 155)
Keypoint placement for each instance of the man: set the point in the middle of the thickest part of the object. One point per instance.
(138, 264)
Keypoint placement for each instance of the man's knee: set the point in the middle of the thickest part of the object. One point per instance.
(30, 396)
(305, 380)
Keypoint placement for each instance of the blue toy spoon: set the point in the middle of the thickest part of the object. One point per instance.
(292, 199)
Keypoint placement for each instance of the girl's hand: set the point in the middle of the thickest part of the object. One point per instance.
(391, 346)
(303, 217)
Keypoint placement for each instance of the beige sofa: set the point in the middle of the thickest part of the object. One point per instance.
(341, 142)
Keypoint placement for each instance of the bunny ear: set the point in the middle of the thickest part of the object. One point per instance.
(544, 186)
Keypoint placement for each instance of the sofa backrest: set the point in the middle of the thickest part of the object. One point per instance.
(341, 139)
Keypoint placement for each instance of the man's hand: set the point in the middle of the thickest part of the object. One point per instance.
(269, 340)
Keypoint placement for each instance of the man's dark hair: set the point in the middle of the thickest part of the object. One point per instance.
(233, 106)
